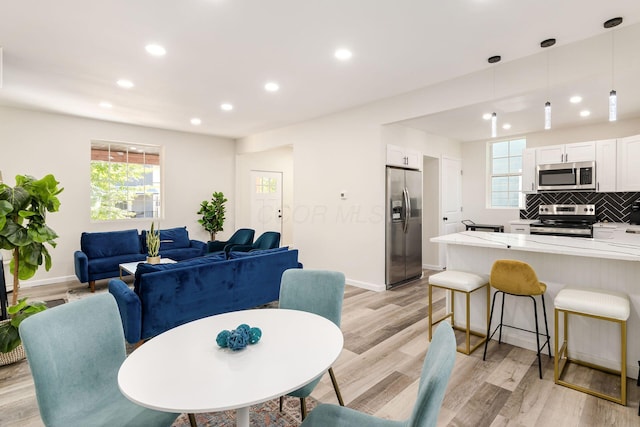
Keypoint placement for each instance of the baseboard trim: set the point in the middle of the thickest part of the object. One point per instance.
(432, 267)
(50, 281)
(367, 285)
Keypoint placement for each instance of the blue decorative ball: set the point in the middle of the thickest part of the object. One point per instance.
(222, 338)
(244, 330)
(237, 340)
(254, 335)
(244, 327)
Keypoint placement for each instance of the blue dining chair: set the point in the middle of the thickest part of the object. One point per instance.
(75, 351)
(436, 371)
(319, 292)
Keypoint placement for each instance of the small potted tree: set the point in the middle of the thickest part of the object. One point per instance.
(213, 214)
(23, 231)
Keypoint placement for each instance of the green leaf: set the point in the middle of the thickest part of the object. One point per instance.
(9, 337)
(15, 234)
(14, 309)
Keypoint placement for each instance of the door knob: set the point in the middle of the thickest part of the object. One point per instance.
(445, 219)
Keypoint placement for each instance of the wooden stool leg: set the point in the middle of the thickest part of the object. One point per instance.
(430, 311)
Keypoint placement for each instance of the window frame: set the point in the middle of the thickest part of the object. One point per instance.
(155, 149)
(490, 175)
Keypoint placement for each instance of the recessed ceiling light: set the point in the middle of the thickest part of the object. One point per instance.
(271, 87)
(486, 116)
(506, 126)
(127, 84)
(226, 107)
(585, 113)
(576, 99)
(105, 104)
(196, 121)
(155, 50)
(343, 54)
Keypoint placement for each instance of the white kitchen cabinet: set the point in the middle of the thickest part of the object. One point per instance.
(606, 158)
(628, 164)
(403, 157)
(567, 153)
(529, 171)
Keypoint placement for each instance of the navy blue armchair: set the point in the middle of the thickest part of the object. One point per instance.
(244, 236)
(267, 240)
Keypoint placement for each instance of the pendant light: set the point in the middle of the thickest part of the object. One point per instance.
(494, 118)
(613, 96)
(547, 105)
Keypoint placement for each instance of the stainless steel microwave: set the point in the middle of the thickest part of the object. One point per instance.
(567, 176)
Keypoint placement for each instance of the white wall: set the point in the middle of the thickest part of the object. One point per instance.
(37, 144)
(274, 160)
(474, 179)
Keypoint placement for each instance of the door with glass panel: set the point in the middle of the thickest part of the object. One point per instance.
(266, 201)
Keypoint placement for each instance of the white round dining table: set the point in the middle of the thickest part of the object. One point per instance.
(184, 370)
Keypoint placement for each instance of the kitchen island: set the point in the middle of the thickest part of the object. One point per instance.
(612, 264)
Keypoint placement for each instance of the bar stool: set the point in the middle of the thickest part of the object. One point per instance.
(517, 278)
(466, 283)
(598, 304)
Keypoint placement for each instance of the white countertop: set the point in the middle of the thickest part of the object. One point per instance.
(625, 247)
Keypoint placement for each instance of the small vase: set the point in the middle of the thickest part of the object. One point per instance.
(153, 259)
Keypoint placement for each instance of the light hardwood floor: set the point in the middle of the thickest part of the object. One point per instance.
(385, 344)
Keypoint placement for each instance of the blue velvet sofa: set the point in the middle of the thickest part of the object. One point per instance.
(167, 295)
(101, 252)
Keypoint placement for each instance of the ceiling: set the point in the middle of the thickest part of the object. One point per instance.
(66, 57)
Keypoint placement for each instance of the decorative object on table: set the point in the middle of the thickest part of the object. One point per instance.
(238, 338)
(213, 214)
(11, 349)
(153, 245)
(23, 228)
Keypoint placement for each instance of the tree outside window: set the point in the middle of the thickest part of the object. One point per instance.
(125, 181)
(506, 173)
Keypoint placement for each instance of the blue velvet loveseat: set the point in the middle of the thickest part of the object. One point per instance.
(167, 295)
(101, 252)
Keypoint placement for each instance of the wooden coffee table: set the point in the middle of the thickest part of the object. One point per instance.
(131, 267)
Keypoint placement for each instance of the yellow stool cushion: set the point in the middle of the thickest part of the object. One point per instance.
(595, 302)
(515, 277)
(459, 280)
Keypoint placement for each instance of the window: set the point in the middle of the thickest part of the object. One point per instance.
(506, 173)
(125, 181)
(266, 185)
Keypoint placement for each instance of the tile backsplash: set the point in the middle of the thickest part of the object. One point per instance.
(611, 207)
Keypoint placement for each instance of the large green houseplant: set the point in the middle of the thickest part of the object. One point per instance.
(23, 227)
(213, 214)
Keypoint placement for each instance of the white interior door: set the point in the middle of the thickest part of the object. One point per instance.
(266, 201)
(451, 197)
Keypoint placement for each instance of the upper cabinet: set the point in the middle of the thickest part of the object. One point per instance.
(606, 166)
(578, 152)
(628, 164)
(403, 157)
(529, 170)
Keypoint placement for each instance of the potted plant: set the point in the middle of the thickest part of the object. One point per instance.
(153, 245)
(213, 214)
(23, 228)
(11, 349)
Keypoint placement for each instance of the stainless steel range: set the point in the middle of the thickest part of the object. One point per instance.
(565, 220)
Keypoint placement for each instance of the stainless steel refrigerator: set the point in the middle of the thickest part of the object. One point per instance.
(403, 226)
